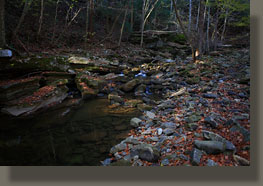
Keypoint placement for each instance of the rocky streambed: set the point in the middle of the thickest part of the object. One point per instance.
(191, 114)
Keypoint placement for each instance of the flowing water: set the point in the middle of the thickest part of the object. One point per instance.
(67, 136)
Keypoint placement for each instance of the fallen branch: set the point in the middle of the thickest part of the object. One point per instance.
(178, 93)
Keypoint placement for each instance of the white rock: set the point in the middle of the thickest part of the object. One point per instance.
(159, 131)
(150, 114)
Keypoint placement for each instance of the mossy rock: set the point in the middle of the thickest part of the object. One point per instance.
(184, 73)
(194, 80)
(121, 163)
(178, 38)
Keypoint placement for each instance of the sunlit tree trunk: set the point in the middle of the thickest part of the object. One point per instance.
(146, 12)
(2, 24)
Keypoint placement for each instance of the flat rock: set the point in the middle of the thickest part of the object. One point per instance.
(171, 125)
(210, 147)
(211, 96)
(168, 131)
(118, 147)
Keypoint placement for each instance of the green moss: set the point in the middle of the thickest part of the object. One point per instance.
(193, 80)
(178, 38)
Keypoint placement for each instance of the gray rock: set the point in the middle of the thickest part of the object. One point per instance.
(131, 141)
(211, 96)
(154, 139)
(211, 163)
(150, 115)
(145, 152)
(106, 162)
(209, 120)
(192, 126)
(135, 122)
(168, 131)
(242, 130)
(192, 118)
(215, 137)
(171, 125)
(165, 162)
(140, 90)
(196, 156)
(117, 148)
(130, 85)
(182, 156)
(210, 147)
(241, 161)
(115, 98)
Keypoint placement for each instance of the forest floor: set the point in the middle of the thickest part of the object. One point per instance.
(192, 113)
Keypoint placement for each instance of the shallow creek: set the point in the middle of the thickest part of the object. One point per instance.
(67, 136)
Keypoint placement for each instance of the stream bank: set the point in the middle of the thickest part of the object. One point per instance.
(192, 114)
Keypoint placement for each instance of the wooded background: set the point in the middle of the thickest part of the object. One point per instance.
(38, 24)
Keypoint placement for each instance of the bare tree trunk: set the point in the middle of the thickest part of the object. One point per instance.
(40, 18)
(145, 15)
(2, 24)
(201, 28)
(55, 22)
(190, 16)
(215, 29)
(197, 19)
(207, 30)
(67, 25)
(25, 10)
(142, 20)
(188, 38)
(91, 11)
(123, 23)
(132, 9)
(224, 27)
(87, 25)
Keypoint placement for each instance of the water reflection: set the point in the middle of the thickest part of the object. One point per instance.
(82, 136)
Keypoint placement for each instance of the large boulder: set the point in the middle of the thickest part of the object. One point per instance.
(129, 86)
(210, 147)
(135, 122)
(216, 137)
(89, 86)
(5, 54)
(145, 152)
